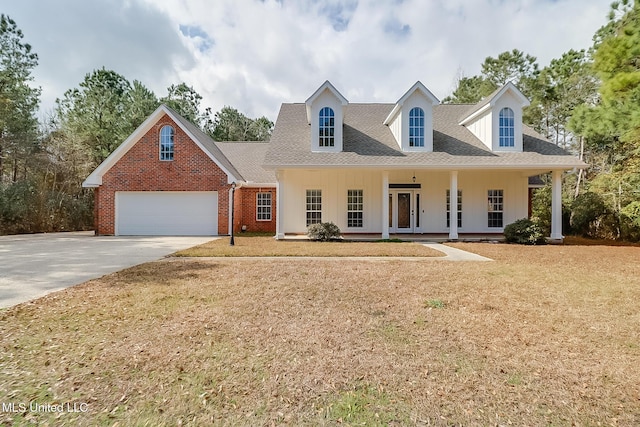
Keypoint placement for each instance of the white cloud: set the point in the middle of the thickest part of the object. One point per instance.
(254, 55)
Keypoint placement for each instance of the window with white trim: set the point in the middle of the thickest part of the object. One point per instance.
(314, 207)
(507, 128)
(327, 128)
(166, 143)
(416, 127)
(495, 208)
(263, 206)
(459, 208)
(355, 211)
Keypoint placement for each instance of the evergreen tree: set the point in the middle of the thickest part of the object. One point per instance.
(95, 112)
(612, 127)
(18, 102)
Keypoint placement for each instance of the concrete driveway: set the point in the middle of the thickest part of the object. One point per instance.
(33, 265)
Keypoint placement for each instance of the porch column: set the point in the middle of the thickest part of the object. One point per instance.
(556, 206)
(385, 205)
(279, 206)
(453, 206)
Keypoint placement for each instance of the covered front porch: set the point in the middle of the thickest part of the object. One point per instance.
(409, 204)
(402, 211)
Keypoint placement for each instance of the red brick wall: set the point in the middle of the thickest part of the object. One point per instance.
(140, 169)
(245, 200)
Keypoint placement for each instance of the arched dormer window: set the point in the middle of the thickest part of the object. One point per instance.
(507, 128)
(166, 143)
(326, 130)
(416, 127)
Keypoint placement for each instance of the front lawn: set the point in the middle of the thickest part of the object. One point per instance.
(267, 246)
(541, 336)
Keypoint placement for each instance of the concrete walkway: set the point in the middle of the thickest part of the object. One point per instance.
(450, 254)
(33, 265)
(454, 254)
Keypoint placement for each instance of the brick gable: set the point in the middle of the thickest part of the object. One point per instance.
(140, 169)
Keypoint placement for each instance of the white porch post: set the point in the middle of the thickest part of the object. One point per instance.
(453, 206)
(556, 206)
(279, 206)
(385, 205)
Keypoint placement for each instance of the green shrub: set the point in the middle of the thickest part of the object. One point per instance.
(588, 215)
(323, 232)
(541, 208)
(525, 232)
(630, 222)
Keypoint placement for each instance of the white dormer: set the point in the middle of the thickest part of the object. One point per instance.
(325, 114)
(411, 120)
(497, 119)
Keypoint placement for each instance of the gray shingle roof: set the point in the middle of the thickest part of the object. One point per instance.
(369, 143)
(206, 142)
(248, 158)
(472, 108)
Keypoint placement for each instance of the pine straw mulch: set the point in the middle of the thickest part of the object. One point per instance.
(541, 336)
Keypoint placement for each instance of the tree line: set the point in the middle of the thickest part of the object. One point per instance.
(43, 163)
(586, 101)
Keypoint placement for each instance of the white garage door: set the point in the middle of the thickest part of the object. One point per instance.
(166, 213)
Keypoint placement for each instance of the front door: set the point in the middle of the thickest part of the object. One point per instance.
(401, 212)
(404, 211)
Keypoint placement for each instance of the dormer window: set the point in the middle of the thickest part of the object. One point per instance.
(416, 127)
(325, 113)
(507, 127)
(497, 119)
(166, 143)
(411, 119)
(326, 128)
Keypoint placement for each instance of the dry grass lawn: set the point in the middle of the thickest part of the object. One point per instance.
(267, 246)
(541, 336)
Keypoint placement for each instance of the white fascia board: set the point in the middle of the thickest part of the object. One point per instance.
(448, 166)
(91, 184)
(231, 178)
(422, 88)
(257, 184)
(392, 115)
(524, 101)
(475, 115)
(95, 178)
(325, 86)
(418, 86)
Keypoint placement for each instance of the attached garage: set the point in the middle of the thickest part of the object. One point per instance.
(166, 213)
(167, 178)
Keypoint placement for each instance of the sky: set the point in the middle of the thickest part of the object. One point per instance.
(253, 55)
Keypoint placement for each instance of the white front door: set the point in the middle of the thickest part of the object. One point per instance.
(402, 215)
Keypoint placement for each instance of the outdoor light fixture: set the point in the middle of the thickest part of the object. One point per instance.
(233, 190)
(414, 178)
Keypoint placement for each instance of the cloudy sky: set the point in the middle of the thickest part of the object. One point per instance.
(255, 54)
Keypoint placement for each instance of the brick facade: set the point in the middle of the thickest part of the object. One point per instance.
(140, 169)
(245, 200)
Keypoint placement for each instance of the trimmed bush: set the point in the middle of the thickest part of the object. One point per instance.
(525, 232)
(323, 232)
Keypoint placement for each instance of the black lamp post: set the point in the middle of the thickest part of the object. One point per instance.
(233, 190)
